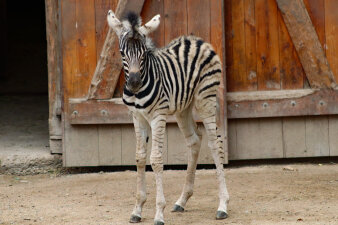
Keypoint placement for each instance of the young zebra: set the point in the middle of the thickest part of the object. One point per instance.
(167, 81)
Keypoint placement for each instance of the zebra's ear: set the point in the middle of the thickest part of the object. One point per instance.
(151, 25)
(114, 23)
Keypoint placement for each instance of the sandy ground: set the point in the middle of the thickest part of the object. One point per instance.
(300, 194)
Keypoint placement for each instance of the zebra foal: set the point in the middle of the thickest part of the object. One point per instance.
(169, 81)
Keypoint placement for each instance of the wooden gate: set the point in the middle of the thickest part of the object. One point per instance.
(280, 62)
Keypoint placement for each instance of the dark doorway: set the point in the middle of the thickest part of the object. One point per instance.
(23, 77)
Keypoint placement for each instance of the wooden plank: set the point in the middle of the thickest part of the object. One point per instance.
(177, 150)
(205, 156)
(322, 102)
(250, 44)
(175, 19)
(199, 20)
(150, 9)
(316, 11)
(317, 136)
(217, 39)
(240, 105)
(230, 78)
(268, 74)
(98, 112)
(232, 133)
(86, 46)
(333, 135)
(81, 146)
(294, 137)
(110, 146)
(128, 145)
(268, 95)
(69, 46)
(109, 65)
(307, 44)
(101, 25)
(259, 139)
(291, 70)
(331, 31)
(241, 81)
(54, 74)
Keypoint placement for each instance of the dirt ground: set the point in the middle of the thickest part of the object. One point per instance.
(272, 194)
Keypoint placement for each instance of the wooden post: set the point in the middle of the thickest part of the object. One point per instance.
(54, 74)
(109, 65)
(307, 44)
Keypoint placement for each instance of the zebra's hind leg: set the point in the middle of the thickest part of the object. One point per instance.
(193, 140)
(141, 130)
(206, 108)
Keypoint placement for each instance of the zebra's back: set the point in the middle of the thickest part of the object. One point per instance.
(191, 69)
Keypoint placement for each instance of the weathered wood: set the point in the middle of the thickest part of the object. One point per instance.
(232, 134)
(250, 44)
(294, 137)
(316, 11)
(228, 36)
(323, 102)
(110, 147)
(109, 65)
(268, 74)
(317, 136)
(331, 31)
(199, 27)
(54, 74)
(82, 111)
(268, 95)
(333, 135)
(258, 139)
(81, 145)
(150, 9)
(239, 76)
(307, 44)
(86, 46)
(101, 25)
(291, 70)
(240, 105)
(175, 19)
(128, 143)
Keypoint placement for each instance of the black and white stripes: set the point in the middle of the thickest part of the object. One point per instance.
(160, 82)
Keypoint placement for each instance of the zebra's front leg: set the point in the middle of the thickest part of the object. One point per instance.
(193, 140)
(158, 125)
(141, 130)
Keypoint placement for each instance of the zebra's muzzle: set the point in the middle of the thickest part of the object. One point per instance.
(134, 82)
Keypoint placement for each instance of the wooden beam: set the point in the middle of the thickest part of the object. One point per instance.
(54, 74)
(109, 65)
(308, 47)
(239, 105)
(303, 103)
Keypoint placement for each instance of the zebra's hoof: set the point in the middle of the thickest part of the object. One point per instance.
(135, 219)
(221, 215)
(157, 222)
(177, 208)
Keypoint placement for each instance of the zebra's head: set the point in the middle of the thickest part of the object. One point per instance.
(134, 44)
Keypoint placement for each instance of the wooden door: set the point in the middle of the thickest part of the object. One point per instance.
(97, 128)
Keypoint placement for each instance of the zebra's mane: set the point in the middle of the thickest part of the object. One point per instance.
(134, 21)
